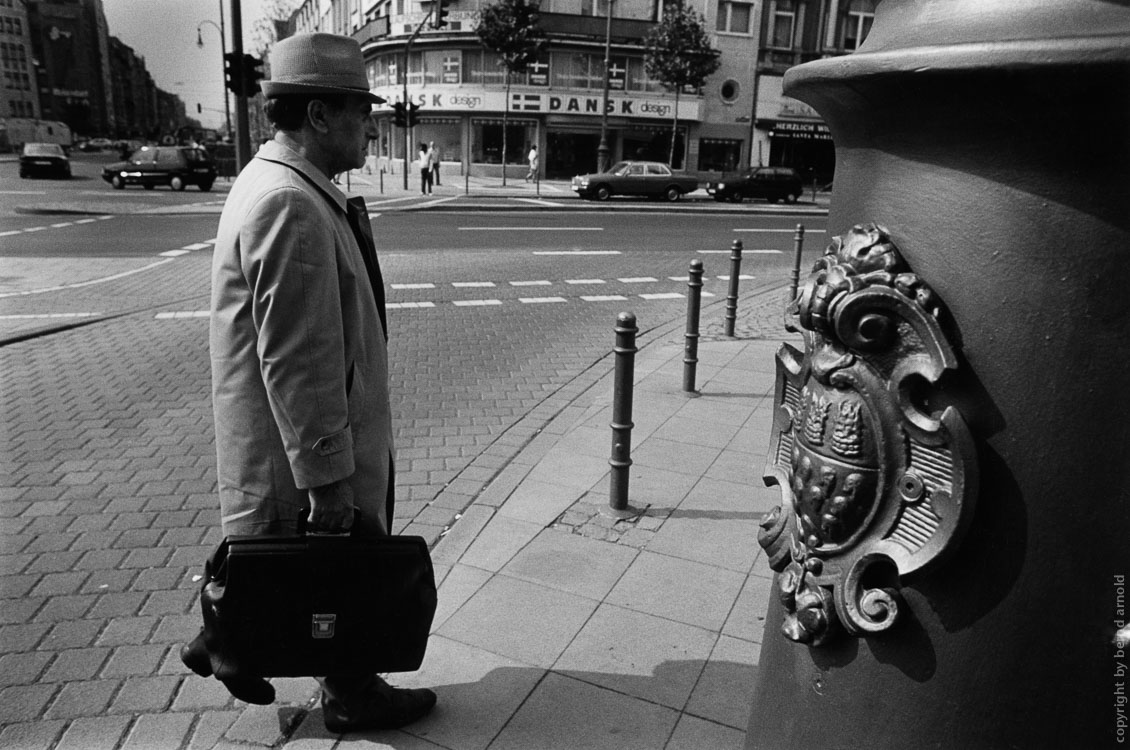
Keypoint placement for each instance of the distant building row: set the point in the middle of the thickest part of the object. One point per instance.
(60, 64)
(740, 117)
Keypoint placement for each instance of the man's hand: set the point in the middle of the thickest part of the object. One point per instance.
(331, 508)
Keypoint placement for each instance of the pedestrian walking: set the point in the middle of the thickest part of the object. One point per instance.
(425, 165)
(533, 159)
(435, 156)
(298, 344)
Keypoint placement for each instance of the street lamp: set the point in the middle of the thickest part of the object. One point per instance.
(224, 56)
(602, 149)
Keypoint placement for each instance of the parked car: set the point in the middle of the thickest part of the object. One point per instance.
(44, 159)
(97, 144)
(772, 183)
(175, 166)
(650, 178)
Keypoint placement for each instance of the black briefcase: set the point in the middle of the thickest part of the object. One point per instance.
(301, 606)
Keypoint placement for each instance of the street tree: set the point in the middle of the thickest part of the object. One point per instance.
(678, 54)
(510, 29)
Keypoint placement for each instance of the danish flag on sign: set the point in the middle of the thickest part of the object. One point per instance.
(525, 102)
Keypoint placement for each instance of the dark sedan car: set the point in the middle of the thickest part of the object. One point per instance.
(175, 166)
(772, 183)
(650, 178)
(44, 159)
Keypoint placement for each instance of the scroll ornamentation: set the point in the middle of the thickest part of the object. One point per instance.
(876, 484)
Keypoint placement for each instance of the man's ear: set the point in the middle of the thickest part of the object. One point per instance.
(317, 113)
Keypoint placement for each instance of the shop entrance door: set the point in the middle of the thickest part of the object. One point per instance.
(569, 154)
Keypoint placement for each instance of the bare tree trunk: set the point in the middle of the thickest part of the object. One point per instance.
(674, 130)
(505, 113)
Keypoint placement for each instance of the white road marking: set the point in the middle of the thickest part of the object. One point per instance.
(638, 280)
(471, 284)
(535, 229)
(604, 298)
(531, 283)
(783, 231)
(414, 286)
(576, 252)
(52, 315)
(476, 302)
(408, 305)
(181, 315)
(584, 281)
(538, 300)
(173, 253)
(540, 202)
(662, 295)
(91, 282)
(741, 277)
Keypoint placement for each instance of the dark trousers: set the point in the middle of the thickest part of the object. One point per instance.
(425, 181)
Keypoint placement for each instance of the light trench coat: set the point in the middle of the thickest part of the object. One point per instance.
(299, 358)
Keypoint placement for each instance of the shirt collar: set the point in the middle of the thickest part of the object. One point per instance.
(280, 154)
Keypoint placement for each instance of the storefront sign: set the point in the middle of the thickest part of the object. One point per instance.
(539, 73)
(478, 99)
(814, 131)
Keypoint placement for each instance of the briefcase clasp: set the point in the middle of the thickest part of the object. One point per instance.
(322, 626)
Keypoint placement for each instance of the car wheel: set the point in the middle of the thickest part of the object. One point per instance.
(118, 182)
(176, 183)
(149, 186)
(205, 187)
(792, 197)
(603, 193)
(672, 194)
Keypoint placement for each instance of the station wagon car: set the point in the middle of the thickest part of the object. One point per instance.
(175, 166)
(771, 183)
(649, 178)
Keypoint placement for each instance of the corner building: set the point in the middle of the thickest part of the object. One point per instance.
(556, 104)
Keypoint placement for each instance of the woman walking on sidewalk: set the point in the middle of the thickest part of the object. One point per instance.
(425, 164)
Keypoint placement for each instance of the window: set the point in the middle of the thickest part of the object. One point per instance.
(857, 22)
(782, 24)
(486, 141)
(730, 90)
(734, 17)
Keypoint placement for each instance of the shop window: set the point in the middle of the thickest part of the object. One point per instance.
(577, 71)
(782, 26)
(857, 22)
(734, 17)
(730, 90)
(481, 68)
(486, 141)
(719, 155)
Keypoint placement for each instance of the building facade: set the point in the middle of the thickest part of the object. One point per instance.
(19, 96)
(740, 116)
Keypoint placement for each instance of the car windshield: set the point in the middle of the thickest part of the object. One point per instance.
(43, 149)
(142, 154)
(619, 168)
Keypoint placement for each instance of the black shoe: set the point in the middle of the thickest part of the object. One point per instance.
(376, 705)
(247, 689)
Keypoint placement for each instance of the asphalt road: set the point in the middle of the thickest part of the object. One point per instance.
(491, 312)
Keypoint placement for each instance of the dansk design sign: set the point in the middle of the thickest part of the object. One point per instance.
(481, 100)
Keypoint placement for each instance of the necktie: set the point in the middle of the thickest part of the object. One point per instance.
(363, 231)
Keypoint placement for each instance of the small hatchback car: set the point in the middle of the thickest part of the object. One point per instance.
(44, 159)
(175, 166)
(772, 183)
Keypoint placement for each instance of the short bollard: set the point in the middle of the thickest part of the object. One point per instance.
(690, 349)
(621, 460)
(799, 243)
(732, 295)
(382, 180)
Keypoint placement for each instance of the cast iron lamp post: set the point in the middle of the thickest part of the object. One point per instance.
(223, 57)
(602, 149)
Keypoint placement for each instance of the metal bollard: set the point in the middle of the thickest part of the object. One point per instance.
(732, 296)
(382, 180)
(694, 301)
(621, 459)
(799, 240)
(467, 182)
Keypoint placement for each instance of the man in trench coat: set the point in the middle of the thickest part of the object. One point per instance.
(298, 340)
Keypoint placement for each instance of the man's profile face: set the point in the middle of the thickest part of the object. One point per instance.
(350, 131)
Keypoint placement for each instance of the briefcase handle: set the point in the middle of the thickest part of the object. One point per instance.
(301, 529)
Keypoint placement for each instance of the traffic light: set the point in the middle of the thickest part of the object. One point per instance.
(252, 74)
(233, 73)
(413, 118)
(440, 18)
(399, 118)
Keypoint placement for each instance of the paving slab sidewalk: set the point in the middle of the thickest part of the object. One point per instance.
(561, 626)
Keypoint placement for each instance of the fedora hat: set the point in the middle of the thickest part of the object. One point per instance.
(318, 64)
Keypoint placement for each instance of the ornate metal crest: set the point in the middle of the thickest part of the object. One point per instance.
(876, 481)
